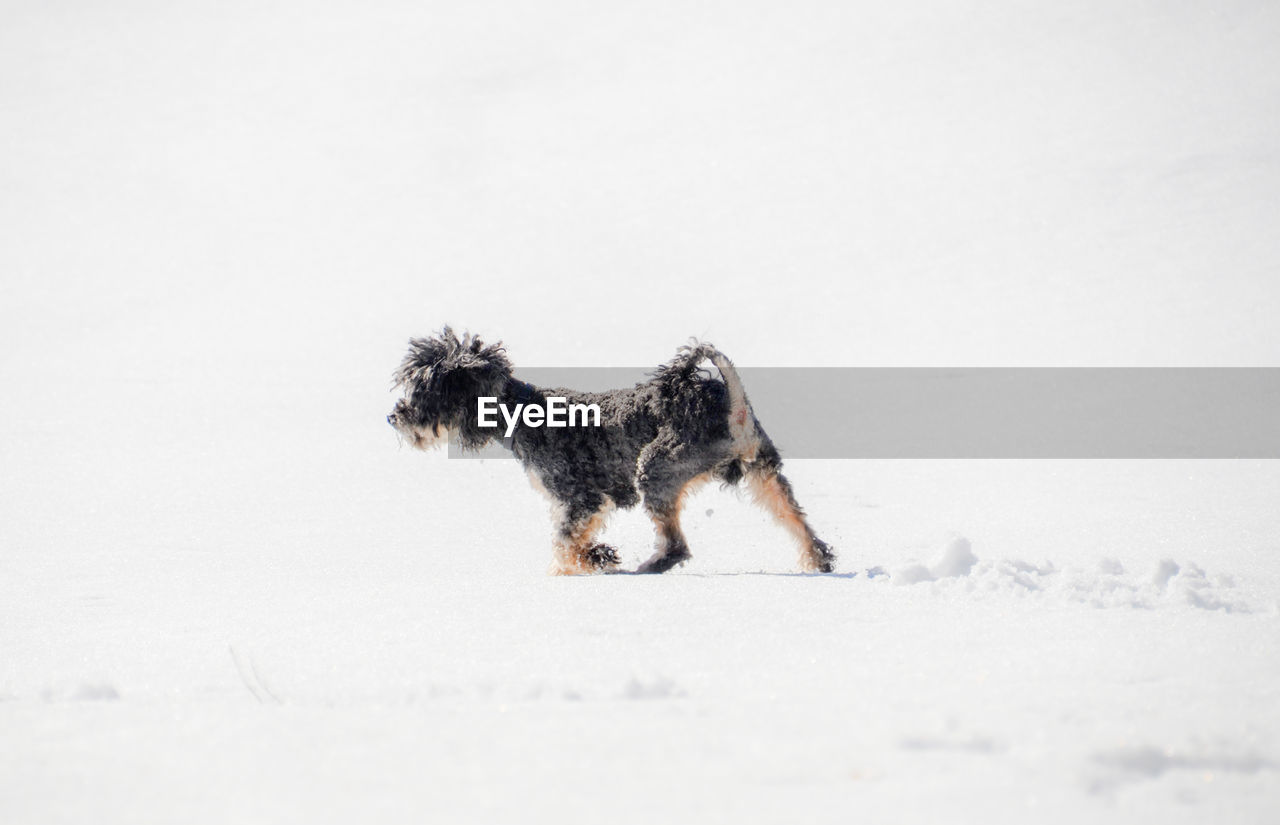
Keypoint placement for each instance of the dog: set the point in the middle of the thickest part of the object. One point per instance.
(652, 444)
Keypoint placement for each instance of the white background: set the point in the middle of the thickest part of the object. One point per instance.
(226, 595)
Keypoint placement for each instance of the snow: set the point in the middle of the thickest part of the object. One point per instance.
(226, 595)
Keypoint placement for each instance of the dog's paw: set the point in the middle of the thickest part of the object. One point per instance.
(820, 559)
(662, 562)
(601, 556)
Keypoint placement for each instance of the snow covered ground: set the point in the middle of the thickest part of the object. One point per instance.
(227, 595)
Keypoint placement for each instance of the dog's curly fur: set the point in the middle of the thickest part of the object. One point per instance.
(656, 443)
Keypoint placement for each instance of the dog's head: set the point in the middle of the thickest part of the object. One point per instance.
(442, 377)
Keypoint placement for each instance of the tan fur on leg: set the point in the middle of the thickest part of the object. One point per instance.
(672, 547)
(571, 556)
(776, 498)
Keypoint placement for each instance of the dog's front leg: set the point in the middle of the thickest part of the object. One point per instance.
(576, 551)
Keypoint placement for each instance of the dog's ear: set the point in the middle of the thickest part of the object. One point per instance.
(481, 371)
(423, 354)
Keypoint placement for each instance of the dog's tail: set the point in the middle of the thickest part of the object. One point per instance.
(742, 421)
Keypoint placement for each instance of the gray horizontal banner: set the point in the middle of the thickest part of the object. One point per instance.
(994, 412)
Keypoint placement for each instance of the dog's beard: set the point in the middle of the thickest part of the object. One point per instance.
(420, 437)
(424, 438)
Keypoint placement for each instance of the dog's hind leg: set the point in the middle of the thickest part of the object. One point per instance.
(663, 506)
(575, 550)
(771, 490)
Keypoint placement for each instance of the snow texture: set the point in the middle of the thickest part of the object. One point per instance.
(226, 596)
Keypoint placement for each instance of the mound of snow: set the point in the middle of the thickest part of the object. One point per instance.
(1107, 584)
(1121, 766)
(957, 559)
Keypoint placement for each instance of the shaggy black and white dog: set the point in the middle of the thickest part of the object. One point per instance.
(653, 444)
